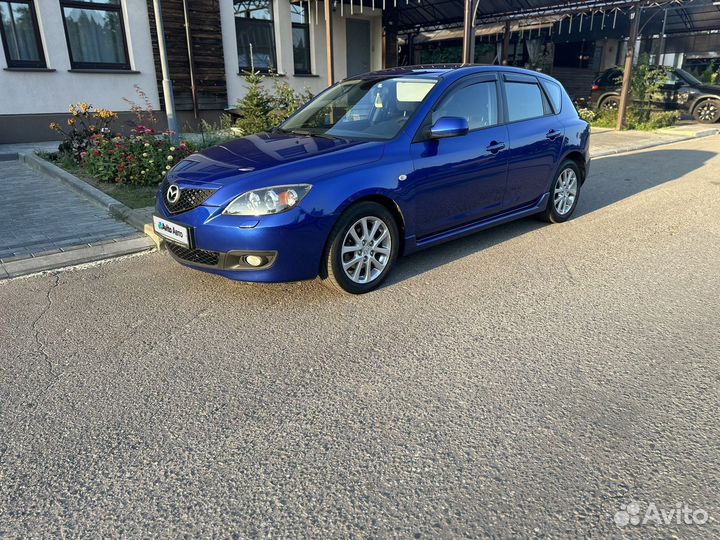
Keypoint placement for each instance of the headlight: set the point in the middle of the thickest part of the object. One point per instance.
(272, 200)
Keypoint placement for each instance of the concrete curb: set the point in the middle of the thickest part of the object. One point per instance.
(688, 133)
(116, 208)
(699, 134)
(80, 255)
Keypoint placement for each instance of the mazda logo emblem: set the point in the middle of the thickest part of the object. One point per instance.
(173, 194)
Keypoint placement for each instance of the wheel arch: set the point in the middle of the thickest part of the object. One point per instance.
(383, 200)
(579, 159)
(702, 99)
(606, 95)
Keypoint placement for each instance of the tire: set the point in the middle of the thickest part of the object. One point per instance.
(707, 111)
(563, 200)
(610, 103)
(375, 260)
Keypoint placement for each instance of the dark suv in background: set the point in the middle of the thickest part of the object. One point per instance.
(681, 92)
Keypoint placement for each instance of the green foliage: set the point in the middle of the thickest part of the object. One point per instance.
(261, 110)
(709, 75)
(587, 114)
(640, 119)
(646, 81)
(286, 101)
(255, 107)
(214, 133)
(141, 159)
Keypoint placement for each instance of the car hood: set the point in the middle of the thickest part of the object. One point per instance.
(710, 89)
(255, 160)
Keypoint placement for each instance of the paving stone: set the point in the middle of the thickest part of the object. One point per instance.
(41, 215)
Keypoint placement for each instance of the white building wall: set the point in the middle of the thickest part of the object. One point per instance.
(37, 92)
(284, 52)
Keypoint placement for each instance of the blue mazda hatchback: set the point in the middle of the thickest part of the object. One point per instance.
(377, 166)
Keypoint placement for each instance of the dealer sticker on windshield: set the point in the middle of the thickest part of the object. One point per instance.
(171, 231)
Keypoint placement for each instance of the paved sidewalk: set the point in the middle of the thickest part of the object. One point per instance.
(40, 217)
(606, 141)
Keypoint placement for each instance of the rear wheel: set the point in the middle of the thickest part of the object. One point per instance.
(363, 247)
(708, 111)
(564, 193)
(610, 103)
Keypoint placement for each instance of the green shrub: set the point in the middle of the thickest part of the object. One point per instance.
(255, 107)
(214, 133)
(640, 119)
(587, 114)
(261, 110)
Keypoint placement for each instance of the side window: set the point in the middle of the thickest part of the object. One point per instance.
(554, 92)
(524, 101)
(476, 102)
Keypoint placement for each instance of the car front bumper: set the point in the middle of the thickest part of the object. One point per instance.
(290, 244)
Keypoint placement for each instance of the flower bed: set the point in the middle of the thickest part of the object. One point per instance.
(141, 159)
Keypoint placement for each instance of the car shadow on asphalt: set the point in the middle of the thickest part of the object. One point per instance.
(611, 179)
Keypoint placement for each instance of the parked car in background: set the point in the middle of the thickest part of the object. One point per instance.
(681, 92)
(378, 166)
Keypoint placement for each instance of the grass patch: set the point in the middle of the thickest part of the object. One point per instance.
(638, 119)
(130, 195)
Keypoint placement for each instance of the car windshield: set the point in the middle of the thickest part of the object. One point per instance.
(375, 109)
(688, 76)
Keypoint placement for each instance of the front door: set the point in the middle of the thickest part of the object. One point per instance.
(461, 179)
(357, 37)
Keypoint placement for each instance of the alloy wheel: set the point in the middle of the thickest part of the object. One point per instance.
(610, 104)
(565, 191)
(366, 249)
(708, 111)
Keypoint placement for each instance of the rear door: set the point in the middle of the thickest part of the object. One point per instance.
(536, 137)
(461, 179)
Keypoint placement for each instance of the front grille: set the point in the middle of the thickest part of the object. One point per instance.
(189, 199)
(199, 256)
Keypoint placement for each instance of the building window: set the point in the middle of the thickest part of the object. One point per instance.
(21, 35)
(301, 38)
(95, 34)
(255, 35)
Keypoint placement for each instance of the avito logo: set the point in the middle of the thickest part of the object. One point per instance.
(162, 226)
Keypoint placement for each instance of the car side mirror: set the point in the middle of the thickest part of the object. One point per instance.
(449, 126)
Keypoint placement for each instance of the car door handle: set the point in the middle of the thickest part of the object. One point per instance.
(552, 134)
(494, 147)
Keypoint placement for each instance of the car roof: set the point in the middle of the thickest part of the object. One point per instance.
(445, 71)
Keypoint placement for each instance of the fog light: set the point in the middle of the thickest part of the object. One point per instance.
(255, 260)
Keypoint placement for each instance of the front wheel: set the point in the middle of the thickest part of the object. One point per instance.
(708, 111)
(564, 193)
(363, 247)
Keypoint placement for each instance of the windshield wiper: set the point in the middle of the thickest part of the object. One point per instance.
(308, 133)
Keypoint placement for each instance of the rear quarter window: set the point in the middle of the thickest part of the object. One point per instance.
(554, 92)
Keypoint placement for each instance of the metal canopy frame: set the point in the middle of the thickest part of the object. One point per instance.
(414, 16)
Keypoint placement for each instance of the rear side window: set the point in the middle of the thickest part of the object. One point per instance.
(609, 78)
(554, 92)
(477, 103)
(524, 101)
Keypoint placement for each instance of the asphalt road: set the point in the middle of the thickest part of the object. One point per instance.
(523, 382)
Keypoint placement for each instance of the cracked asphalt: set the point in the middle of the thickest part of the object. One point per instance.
(522, 382)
